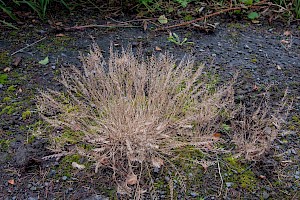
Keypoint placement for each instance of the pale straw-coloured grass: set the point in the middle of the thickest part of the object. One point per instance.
(130, 113)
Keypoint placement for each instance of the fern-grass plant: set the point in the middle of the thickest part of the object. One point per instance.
(134, 113)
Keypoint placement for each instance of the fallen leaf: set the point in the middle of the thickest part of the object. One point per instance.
(131, 179)
(162, 19)
(287, 33)
(217, 135)
(78, 166)
(158, 48)
(104, 161)
(60, 35)
(44, 61)
(278, 67)
(262, 177)
(255, 21)
(17, 61)
(254, 88)
(6, 69)
(145, 25)
(204, 165)
(284, 41)
(58, 23)
(157, 162)
(11, 181)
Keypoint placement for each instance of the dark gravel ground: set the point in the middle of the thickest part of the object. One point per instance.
(260, 53)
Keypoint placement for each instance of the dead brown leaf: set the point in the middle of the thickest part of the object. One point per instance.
(104, 161)
(131, 179)
(11, 181)
(216, 136)
(17, 61)
(158, 48)
(58, 23)
(60, 35)
(204, 165)
(6, 69)
(145, 25)
(78, 166)
(287, 33)
(157, 162)
(254, 88)
(284, 42)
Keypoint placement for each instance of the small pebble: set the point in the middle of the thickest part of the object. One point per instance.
(194, 194)
(167, 179)
(53, 67)
(64, 178)
(229, 184)
(266, 195)
(33, 188)
(52, 173)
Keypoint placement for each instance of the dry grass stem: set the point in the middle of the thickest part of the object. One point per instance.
(131, 113)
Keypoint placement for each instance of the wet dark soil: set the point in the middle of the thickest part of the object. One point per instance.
(262, 54)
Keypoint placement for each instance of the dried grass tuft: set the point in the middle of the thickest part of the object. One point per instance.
(130, 113)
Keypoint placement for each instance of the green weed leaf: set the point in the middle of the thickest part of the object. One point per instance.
(44, 61)
(253, 15)
(162, 19)
(247, 2)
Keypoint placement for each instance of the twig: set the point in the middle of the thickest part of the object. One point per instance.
(99, 26)
(28, 46)
(219, 170)
(210, 15)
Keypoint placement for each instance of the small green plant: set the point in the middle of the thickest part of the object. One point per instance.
(7, 10)
(38, 6)
(11, 88)
(7, 110)
(3, 78)
(253, 15)
(183, 3)
(26, 114)
(174, 38)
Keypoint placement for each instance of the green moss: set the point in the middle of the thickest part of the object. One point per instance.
(254, 60)
(4, 144)
(239, 174)
(11, 88)
(13, 33)
(3, 78)
(7, 110)
(5, 59)
(35, 126)
(31, 139)
(26, 114)
(66, 164)
(6, 99)
(69, 137)
(296, 119)
(61, 41)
